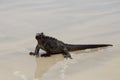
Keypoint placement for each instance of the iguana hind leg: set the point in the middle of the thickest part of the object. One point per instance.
(66, 54)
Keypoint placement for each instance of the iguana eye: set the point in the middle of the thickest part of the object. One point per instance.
(42, 33)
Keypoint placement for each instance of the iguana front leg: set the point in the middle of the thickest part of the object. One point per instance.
(66, 54)
(36, 51)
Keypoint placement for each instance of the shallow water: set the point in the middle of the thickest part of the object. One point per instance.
(72, 21)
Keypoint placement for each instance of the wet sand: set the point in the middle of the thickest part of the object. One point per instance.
(77, 22)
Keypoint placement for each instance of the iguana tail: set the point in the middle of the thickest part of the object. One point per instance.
(71, 47)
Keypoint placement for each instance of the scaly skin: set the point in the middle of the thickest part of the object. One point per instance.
(54, 46)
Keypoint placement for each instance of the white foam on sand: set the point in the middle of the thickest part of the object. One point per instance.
(72, 21)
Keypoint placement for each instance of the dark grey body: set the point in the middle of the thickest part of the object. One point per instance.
(54, 46)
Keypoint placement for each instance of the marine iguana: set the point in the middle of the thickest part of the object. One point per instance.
(53, 46)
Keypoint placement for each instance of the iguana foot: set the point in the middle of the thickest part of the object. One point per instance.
(67, 56)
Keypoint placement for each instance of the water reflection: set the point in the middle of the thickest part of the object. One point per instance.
(44, 63)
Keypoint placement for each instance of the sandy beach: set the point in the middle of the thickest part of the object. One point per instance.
(71, 21)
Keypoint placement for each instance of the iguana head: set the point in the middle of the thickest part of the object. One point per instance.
(39, 36)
